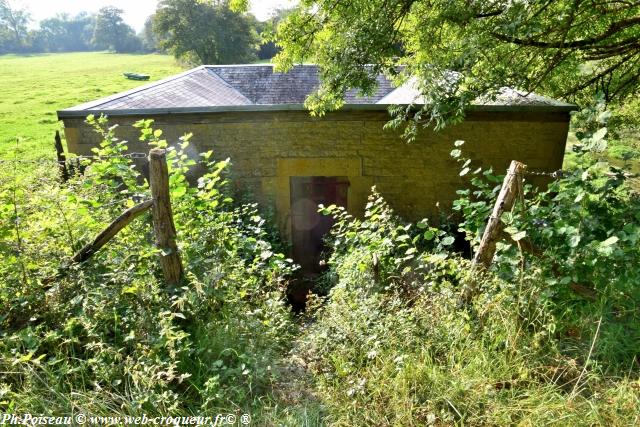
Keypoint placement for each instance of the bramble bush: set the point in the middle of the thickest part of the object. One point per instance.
(109, 337)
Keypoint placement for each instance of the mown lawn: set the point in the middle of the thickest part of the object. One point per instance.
(34, 87)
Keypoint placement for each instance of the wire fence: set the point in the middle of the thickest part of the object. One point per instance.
(74, 158)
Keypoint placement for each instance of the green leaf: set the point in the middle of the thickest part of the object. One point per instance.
(519, 235)
(610, 241)
(448, 240)
(179, 191)
(604, 117)
(456, 153)
(599, 135)
(429, 234)
(511, 230)
(458, 143)
(574, 240)
(239, 6)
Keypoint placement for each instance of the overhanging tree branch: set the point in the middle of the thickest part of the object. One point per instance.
(580, 44)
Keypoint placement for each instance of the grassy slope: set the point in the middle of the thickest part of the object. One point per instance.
(33, 87)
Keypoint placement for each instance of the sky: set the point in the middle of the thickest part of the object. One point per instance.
(135, 11)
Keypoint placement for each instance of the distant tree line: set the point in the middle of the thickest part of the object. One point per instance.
(64, 33)
(197, 32)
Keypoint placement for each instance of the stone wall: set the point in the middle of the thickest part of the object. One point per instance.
(268, 148)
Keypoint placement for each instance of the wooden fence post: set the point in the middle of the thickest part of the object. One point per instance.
(494, 230)
(108, 233)
(506, 198)
(62, 160)
(163, 226)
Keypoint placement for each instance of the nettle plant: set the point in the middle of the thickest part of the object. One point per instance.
(586, 225)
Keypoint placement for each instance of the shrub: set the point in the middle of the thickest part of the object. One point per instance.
(395, 345)
(109, 337)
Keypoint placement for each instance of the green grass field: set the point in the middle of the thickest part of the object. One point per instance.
(34, 87)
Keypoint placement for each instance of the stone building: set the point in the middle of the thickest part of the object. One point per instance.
(290, 161)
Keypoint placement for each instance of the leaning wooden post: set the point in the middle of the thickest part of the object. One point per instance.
(506, 198)
(101, 239)
(163, 226)
(108, 233)
(62, 160)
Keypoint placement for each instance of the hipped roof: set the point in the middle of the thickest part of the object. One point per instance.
(216, 88)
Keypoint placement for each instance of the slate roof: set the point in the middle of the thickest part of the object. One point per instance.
(259, 88)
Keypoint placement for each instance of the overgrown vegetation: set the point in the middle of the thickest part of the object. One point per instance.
(552, 336)
(109, 338)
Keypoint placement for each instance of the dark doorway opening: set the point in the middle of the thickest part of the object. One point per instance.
(309, 227)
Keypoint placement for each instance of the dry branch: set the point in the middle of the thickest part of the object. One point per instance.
(101, 239)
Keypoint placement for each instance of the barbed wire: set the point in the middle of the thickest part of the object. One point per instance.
(555, 174)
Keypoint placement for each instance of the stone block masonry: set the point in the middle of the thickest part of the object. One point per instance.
(267, 148)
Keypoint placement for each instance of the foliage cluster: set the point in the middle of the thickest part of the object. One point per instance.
(109, 337)
(112, 33)
(394, 346)
(214, 32)
(205, 32)
(551, 338)
(459, 52)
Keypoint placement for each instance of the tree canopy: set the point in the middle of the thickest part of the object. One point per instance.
(459, 50)
(13, 28)
(64, 34)
(111, 32)
(205, 32)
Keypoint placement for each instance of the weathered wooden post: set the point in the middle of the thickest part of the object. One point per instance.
(62, 160)
(494, 230)
(506, 198)
(163, 225)
(108, 233)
